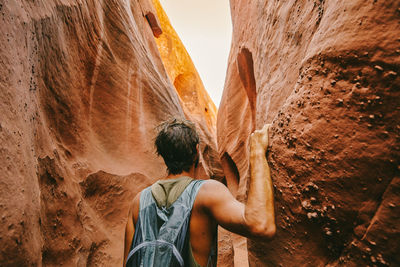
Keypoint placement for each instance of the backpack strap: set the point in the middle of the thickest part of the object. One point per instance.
(155, 243)
(181, 210)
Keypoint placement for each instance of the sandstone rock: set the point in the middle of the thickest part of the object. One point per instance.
(82, 86)
(290, 64)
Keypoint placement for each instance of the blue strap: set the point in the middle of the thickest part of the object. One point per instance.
(154, 243)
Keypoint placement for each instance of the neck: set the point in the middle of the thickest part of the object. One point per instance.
(189, 173)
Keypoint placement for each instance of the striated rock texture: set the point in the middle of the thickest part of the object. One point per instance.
(326, 75)
(82, 86)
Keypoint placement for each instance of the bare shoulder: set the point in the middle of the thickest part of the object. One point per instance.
(213, 191)
(213, 184)
(210, 187)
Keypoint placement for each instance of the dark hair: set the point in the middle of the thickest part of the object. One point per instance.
(176, 142)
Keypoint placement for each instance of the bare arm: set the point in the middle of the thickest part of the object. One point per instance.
(259, 211)
(130, 226)
(257, 217)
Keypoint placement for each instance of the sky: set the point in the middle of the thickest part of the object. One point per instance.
(205, 28)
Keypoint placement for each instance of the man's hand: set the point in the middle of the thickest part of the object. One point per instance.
(259, 139)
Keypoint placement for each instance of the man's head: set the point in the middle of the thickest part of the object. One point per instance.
(177, 142)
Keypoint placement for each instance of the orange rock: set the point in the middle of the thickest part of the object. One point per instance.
(284, 57)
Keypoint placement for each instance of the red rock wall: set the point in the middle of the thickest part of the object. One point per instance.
(326, 75)
(82, 88)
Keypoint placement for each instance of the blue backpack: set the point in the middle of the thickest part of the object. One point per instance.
(161, 234)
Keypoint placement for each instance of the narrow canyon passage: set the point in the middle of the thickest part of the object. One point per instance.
(83, 85)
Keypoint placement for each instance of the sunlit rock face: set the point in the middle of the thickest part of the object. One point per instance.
(325, 74)
(183, 73)
(82, 87)
(196, 103)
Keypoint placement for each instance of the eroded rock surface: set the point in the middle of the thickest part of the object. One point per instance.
(82, 87)
(326, 75)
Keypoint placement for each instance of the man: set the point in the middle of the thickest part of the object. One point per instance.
(159, 210)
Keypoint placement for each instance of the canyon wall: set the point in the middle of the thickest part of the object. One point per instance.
(82, 86)
(325, 74)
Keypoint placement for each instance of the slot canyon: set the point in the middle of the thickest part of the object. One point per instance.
(84, 83)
